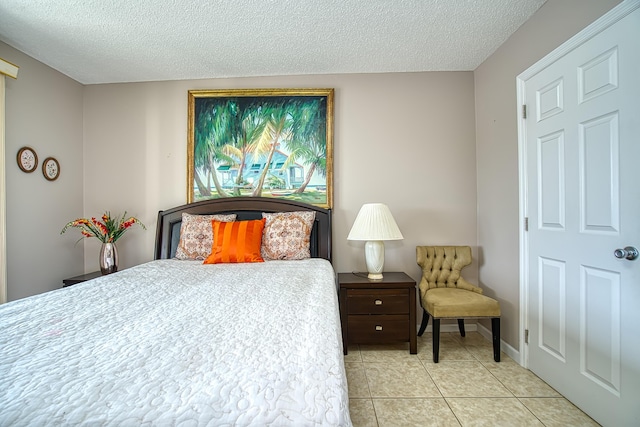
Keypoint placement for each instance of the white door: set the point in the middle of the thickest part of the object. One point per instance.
(581, 146)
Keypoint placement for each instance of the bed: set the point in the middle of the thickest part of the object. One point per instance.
(179, 342)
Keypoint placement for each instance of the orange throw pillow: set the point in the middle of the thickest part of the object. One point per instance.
(237, 241)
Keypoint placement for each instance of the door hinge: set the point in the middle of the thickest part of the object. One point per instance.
(524, 111)
(526, 336)
(526, 223)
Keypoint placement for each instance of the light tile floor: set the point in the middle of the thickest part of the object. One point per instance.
(390, 387)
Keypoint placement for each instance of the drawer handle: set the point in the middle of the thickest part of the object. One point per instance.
(378, 302)
(378, 328)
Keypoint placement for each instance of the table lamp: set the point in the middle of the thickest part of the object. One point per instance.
(374, 224)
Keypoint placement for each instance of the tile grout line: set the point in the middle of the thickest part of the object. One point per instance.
(366, 378)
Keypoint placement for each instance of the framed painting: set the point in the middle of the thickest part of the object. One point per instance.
(261, 143)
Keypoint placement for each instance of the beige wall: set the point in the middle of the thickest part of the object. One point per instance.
(406, 140)
(497, 145)
(43, 111)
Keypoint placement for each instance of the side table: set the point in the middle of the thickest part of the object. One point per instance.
(81, 278)
(377, 312)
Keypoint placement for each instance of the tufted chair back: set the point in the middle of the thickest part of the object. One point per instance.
(441, 267)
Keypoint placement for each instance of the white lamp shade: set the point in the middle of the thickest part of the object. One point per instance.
(374, 222)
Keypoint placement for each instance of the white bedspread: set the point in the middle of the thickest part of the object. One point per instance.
(178, 343)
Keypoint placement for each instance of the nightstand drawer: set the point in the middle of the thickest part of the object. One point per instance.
(378, 329)
(379, 301)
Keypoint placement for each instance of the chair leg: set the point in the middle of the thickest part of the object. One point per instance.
(495, 330)
(425, 321)
(461, 327)
(436, 340)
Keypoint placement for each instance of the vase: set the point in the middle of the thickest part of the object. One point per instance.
(108, 258)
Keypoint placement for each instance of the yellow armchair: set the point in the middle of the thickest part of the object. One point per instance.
(445, 294)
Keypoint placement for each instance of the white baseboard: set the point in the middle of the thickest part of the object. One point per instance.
(510, 351)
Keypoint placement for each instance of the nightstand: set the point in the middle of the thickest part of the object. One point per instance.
(378, 312)
(81, 278)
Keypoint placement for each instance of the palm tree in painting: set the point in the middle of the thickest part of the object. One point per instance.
(248, 128)
(297, 123)
(308, 143)
(278, 124)
(202, 150)
(214, 130)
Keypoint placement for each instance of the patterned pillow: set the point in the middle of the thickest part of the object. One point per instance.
(287, 235)
(196, 235)
(237, 241)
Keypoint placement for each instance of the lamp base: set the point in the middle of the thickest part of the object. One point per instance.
(374, 258)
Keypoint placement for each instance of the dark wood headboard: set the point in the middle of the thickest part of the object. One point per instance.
(169, 221)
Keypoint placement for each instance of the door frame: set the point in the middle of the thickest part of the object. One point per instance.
(605, 21)
(3, 208)
(11, 70)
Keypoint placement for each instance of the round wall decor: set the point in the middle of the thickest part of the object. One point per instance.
(51, 168)
(27, 159)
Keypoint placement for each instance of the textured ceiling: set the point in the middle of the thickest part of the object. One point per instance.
(104, 41)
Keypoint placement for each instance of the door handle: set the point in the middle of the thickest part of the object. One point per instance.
(629, 253)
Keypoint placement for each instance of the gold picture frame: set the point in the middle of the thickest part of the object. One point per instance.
(261, 143)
